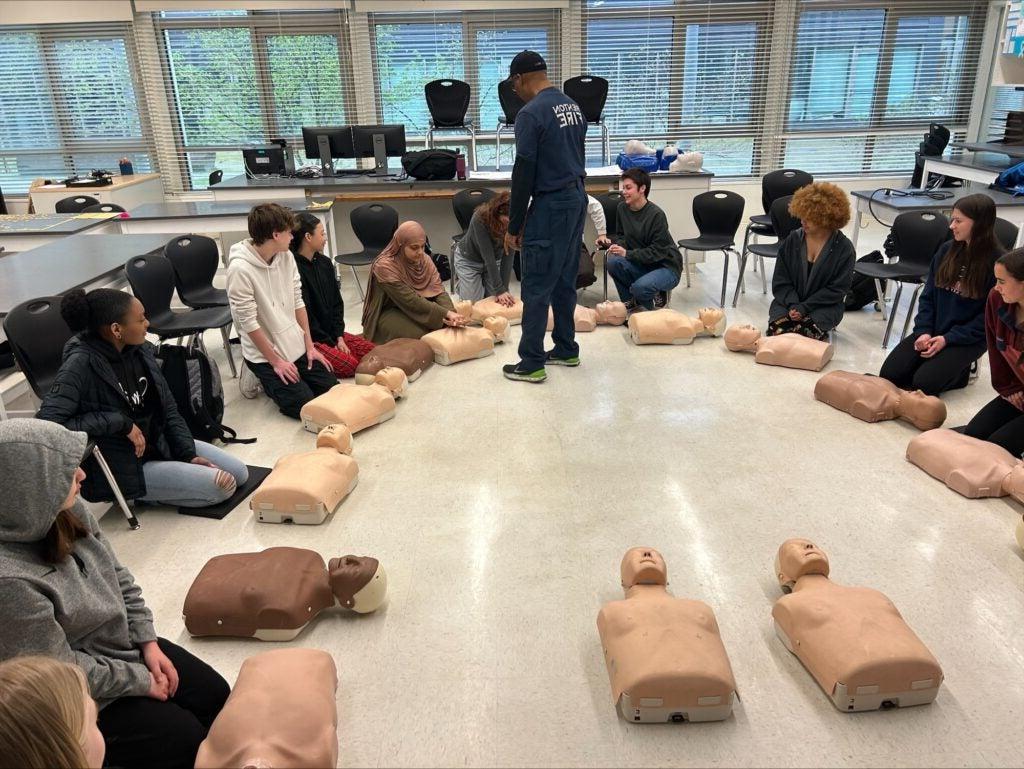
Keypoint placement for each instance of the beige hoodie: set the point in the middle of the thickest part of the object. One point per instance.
(265, 296)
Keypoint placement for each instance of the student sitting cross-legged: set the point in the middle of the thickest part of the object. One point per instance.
(265, 294)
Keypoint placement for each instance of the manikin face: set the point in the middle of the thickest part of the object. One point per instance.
(92, 740)
(413, 250)
(631, 194)
(797, 558)
(132, 328)
(76, 485)
(960, 226)
(1011, 289)
(643, 566)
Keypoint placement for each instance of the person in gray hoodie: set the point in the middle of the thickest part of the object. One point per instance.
(65, 595)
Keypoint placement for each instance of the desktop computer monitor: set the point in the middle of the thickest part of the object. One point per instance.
(379, 142)
(263, 161)
(327, 143)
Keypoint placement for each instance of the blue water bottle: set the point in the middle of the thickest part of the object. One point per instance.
(125, 166)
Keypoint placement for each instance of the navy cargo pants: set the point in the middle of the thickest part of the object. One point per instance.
(551, 258)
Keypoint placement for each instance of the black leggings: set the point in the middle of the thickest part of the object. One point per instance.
(948, 370)
(143, 732)
(999, 422)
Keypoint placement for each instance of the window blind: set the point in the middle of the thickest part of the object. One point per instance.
(69, 103)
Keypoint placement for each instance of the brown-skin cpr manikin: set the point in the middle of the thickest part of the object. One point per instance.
(851, 639)
(665, 656)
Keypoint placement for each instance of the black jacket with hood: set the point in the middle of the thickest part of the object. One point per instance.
(322, 294)
(92, 393)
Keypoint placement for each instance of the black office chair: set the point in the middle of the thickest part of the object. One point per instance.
(448, 102)
(103, 208)
(717, 214)
(151, 277)
(464, 203)
(510, 106)
(37, 333)
(215, 177)
(775, 184)
(374, 224)
(195, 259)
(782, 223)
(1006, 233)
(591, 93)
(610, 203)
(75, 204)
(917, 235)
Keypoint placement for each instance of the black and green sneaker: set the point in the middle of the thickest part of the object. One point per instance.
(555, 360)
(512, 371)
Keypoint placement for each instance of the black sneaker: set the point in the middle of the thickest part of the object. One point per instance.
(554, 360)
(512, 371)
(660, 300)
(630, 305)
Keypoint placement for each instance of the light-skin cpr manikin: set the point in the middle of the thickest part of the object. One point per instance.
(969, 466)
(586, 319)
(453, 345)
(788, 350)
(665, 656)
(672, 327)
(357, 407)
(873, 399)
(490, 307)
(852, 640)
(281, 715)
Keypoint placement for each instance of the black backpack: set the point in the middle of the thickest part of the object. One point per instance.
(862, 289)
(194, 381)
(430, 165)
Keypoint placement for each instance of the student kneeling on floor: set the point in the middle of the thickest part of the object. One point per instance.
(265, 294)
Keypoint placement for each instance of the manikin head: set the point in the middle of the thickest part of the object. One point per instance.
(337, 437)
(393, 379)
(688, 161)
(359, 583)
(922, 409)
(1013, 484)
(742, 338)
(711, 317)
(797, 558)
(643, 566)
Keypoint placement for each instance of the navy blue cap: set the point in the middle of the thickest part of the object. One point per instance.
(525, 62)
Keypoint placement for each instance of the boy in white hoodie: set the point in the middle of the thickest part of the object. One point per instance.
(265, 293)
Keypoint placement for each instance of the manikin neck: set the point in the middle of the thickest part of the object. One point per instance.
(646, 591)
(811, 582)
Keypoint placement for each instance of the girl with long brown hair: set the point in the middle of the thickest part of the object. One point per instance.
(482, 266)
(949, 330)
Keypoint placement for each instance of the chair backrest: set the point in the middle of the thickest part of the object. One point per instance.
(151, 277)
(194, 259)
(590, 92)
(510, 103)
(917, 235)
(37, 333)
(103, 208)
(374, 224)
(785, 181)
(215, 177)
(448, 102)
(783, 222)
(718, 212)
(75, 204)
(610, 203)
(465, 202)
(1006, 233)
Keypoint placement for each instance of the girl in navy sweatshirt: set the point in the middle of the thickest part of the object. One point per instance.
(949, 330)
(1001, 421)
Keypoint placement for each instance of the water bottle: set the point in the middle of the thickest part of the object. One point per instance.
(670, 153)
(125, 166)
(460, 167)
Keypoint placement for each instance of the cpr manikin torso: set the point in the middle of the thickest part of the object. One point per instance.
(969, 466)
(852, 640)
(672, 327)
(272, 595)
(665, 656)
(584, 319)
(281, 714)
(789, 350)
(308, 486)
(357, 407)
(452, 345)
(873, 399)
(413, 356)
(489, 306)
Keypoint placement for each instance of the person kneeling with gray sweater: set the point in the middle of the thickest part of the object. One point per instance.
(65, 595)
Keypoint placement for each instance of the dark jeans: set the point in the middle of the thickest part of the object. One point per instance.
(142, 732)
(640, 282)
(999, 422)
(949, 370)
(290, 398)
(551, 259)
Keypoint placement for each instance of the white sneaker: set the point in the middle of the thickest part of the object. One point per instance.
(249, 383)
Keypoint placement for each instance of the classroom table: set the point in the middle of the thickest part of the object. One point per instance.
(983, 169)
(20, 232)
(216, 216)
(1001, 148)
(125, 191)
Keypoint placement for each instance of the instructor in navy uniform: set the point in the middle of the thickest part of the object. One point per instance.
(549, 168)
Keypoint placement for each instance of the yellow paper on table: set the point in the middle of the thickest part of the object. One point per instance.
(97, 215)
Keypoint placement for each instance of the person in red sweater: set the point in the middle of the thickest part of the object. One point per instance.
(1001, 421)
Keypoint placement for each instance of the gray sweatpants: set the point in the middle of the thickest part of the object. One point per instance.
(470, 278)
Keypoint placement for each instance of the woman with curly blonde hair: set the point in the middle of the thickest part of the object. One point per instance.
(47, 717)
(815, 265)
